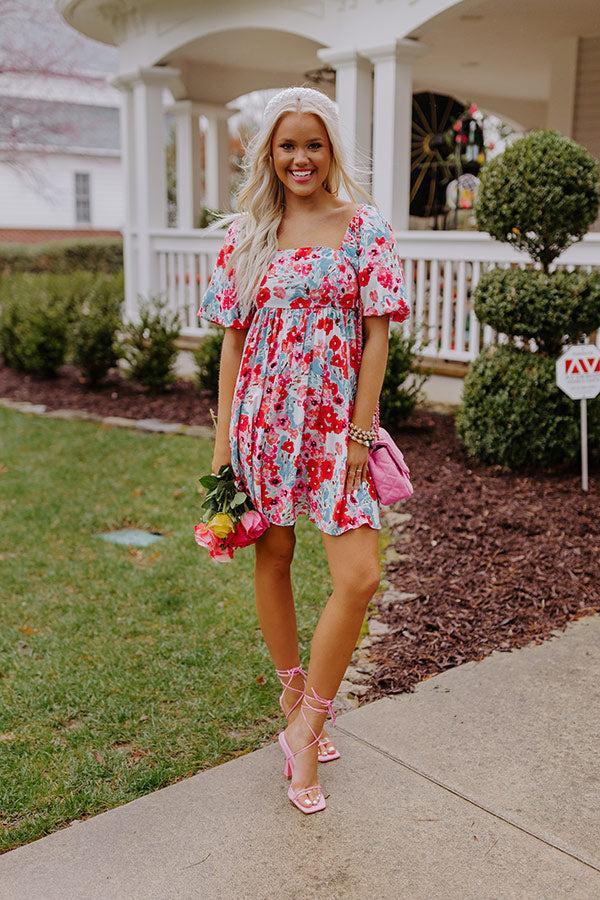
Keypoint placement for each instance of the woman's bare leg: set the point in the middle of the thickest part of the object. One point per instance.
(274, 552)
(353, 559)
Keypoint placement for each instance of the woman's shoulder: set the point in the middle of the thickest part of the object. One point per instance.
(372, 225)
(372, 217)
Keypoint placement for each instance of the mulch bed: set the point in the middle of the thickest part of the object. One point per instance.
(496, 560)
(116, 396)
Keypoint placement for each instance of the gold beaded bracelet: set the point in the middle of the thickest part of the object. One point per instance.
(361, 436)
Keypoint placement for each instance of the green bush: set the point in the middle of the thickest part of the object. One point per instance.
(541, 195)
(554, 310)
(63, 257)
(207, 358)
(33, 327)
(397, 399)
(93, 337)
(149, 346)
(514, 415)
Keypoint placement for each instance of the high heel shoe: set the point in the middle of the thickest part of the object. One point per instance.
(286, 677)
(316, 704)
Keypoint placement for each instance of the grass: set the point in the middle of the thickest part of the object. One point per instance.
(122, 670)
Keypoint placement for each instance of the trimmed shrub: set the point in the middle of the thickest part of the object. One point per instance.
(398, 399)
(207, 358)
(554, 310)
(514, 415)
(33, 327)
(149, 346)
(62, 257)
(93, 338)
(541, 195)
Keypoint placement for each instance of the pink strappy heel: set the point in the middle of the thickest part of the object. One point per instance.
(316, 704)
(286, 676)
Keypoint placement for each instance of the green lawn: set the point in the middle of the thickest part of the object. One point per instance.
(121, 670)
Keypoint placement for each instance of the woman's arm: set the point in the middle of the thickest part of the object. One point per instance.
(370, 381)
(372, 369)
(231, 357)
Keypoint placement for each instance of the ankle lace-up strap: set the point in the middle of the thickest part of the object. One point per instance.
(323, 705)
(286, 676)
(316, 704)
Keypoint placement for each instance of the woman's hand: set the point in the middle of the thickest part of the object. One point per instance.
(356, 465)
(221, 457)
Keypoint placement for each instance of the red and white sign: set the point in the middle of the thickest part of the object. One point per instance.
(578, 371)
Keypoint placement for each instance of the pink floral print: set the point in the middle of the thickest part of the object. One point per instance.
(295, 390)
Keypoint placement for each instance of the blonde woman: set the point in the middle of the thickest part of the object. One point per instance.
(298, 266)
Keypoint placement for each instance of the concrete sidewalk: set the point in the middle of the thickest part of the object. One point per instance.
(483, 783)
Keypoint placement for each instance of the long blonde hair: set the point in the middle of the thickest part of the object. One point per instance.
(261, 196)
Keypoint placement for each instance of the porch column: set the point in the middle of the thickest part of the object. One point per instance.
(129, 226)
(392, 119)
(354, 97)
(563, 79)
(217, 163)
(189, 199)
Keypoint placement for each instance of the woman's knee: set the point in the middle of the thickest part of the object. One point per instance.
(359, 583)
(275, 547)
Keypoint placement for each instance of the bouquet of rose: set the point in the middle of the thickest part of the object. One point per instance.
(229, 520)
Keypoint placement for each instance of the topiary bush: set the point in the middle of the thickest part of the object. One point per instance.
(93, 338)
(149, 346)
(399, 393)
(541, 195)
(554, 310)
(515, 388)
(207, 358)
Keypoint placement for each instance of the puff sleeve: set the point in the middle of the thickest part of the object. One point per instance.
(220, 302)
(380, 273)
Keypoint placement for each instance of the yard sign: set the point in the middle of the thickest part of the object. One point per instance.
(578, 375)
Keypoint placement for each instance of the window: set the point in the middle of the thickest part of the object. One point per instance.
(83, 210)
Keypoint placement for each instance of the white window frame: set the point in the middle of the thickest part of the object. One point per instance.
(83, 198)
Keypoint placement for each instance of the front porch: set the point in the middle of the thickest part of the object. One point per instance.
(533, 64)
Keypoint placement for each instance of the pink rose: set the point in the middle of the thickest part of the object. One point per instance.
(205, 537)
(221, 554)
(254, 523)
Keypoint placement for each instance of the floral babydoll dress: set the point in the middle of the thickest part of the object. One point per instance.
(295, 390)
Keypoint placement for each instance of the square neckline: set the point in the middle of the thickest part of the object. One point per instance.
(326, 246)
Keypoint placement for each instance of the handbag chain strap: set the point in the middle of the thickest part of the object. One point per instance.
(375, 419)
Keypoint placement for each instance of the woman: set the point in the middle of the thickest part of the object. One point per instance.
(295, 407)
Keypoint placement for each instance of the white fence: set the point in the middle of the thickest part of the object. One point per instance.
(441, 268)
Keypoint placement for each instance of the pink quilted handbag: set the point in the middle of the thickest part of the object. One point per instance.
(390, 474)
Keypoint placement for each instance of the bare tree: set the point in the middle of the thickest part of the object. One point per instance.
(37, 50)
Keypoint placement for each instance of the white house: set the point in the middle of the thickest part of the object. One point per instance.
(533, 62)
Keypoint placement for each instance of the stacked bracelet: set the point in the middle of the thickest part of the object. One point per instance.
(361, 436)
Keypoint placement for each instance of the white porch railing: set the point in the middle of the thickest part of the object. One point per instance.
(442, 269)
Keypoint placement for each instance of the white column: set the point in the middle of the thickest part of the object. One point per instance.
(563, 82)
(392, 118)
(150, 168)
(189, 199)
(216, 157)
(128, 178)
(354, 97)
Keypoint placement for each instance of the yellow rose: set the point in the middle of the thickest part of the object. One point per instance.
(221, 524)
